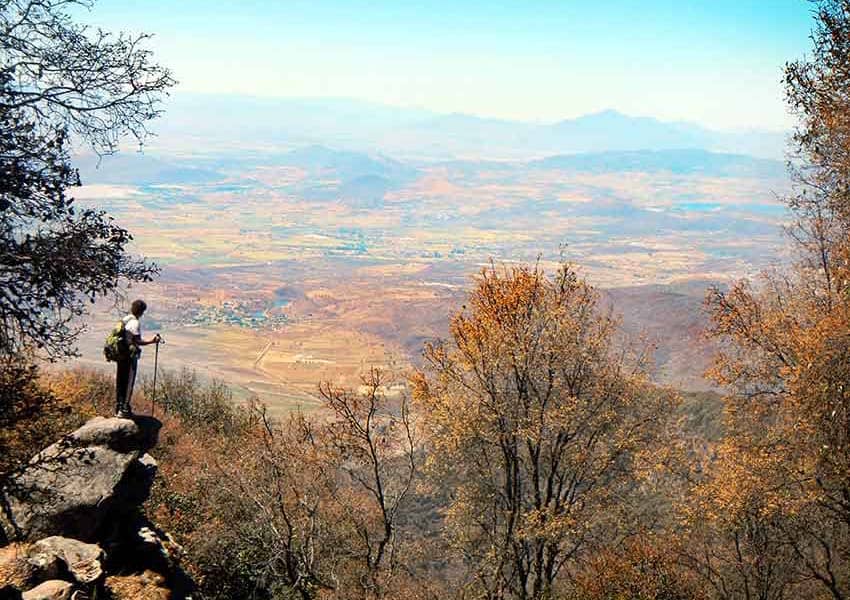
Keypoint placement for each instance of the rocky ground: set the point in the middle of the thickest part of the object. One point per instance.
(72, 525)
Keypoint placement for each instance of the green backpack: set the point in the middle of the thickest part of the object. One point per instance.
(115, 348)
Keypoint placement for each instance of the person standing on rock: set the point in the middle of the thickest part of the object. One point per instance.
(128, 361)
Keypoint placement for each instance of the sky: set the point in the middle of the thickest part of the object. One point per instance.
(714, 62)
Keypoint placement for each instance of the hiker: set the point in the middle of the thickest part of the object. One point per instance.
(128, 359)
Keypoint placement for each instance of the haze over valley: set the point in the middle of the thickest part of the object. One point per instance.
(306, 250)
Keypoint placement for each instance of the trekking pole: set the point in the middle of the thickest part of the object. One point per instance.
(155, 365)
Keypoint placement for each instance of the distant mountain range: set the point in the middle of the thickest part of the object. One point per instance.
(368, 176)
(679, 162)
(317, 159)
(216, 121)
(139, 168)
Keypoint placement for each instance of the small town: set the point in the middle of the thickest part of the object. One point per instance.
(249, 314)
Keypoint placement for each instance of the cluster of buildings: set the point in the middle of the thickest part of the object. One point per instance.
(241, 314)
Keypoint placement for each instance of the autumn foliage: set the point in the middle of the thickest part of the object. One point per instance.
(775, 504)
(540, 426)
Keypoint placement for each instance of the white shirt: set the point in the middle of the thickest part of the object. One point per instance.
(132, 328)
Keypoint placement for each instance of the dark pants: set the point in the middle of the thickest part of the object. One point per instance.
(125, 379)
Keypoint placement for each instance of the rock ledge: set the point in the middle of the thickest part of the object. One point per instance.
(76, 498)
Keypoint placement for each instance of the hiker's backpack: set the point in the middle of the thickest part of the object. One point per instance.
(115, 348)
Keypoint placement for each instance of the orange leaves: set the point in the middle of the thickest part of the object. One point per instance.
(89, 392)
(33, 414)
(772, 509)
(788, 366)
(643, 568)
(536, 425)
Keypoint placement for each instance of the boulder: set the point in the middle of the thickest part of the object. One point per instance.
(123, 435)
(118, 434)
(141, 544)
(54, 556)
(71, 487)
(50, 590)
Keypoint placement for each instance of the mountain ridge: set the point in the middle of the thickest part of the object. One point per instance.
(154, 168)
(419, 132)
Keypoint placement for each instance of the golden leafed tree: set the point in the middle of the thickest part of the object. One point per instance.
(778, 496)
(537, 425)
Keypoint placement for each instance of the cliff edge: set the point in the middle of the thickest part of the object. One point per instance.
(72, 525)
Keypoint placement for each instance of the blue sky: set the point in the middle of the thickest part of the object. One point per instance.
(715, 62)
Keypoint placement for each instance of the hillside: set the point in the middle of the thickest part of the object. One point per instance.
(672, 319)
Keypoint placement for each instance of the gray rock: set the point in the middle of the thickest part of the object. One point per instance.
(139, 433)
(115, 433)
(65, 492)
(50, 590)
(138, 480)
(71, 487)
(149, 464)
(56, 555)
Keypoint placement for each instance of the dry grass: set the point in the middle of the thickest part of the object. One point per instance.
(14, 570)
(146, 586)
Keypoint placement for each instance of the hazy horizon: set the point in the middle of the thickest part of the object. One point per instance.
(366, 103)
(717, 65)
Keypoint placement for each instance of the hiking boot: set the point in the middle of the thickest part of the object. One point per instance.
(124, 414)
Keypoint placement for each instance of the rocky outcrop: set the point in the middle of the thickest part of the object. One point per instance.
(71, 519)
(76, 484)
(53, 556)
(54, 589)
